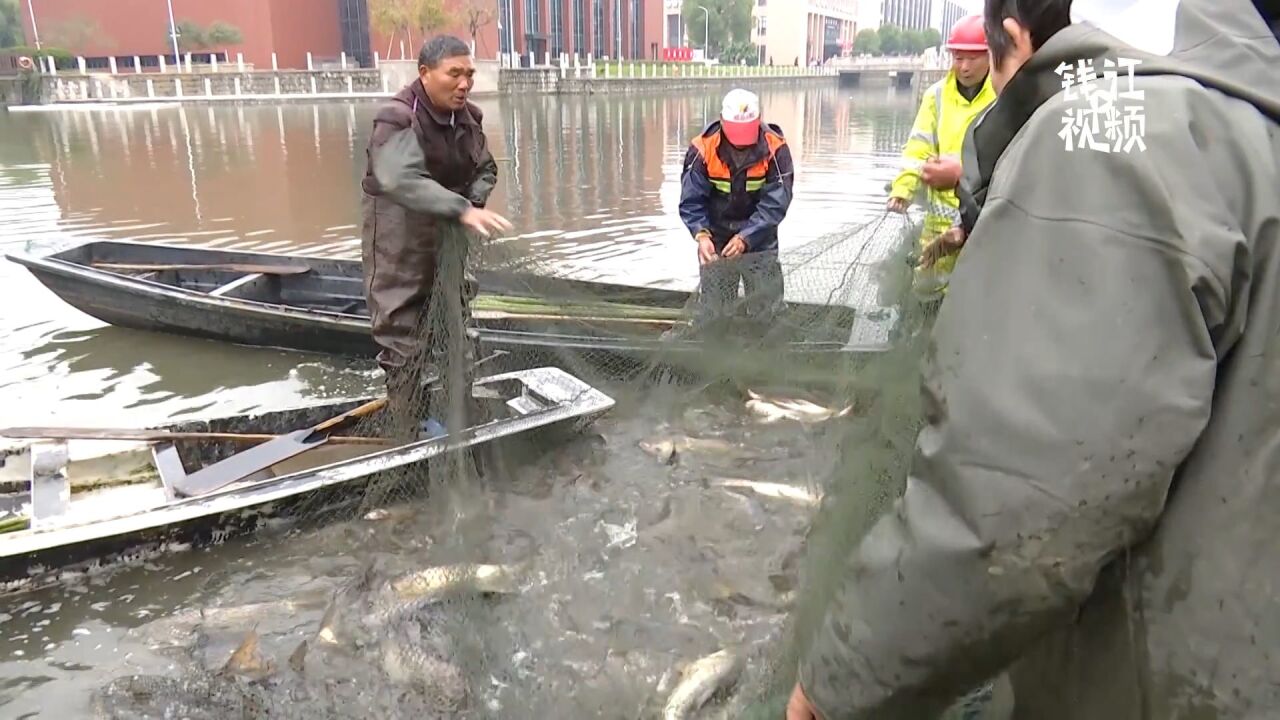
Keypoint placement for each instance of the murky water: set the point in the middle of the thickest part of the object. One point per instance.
(649, 558)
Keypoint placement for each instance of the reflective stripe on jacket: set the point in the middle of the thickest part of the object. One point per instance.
(939, 130)
(750, 200)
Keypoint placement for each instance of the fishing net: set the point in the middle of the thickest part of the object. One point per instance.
(778, 402)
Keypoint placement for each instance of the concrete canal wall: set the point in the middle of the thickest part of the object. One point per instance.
(234, 82)
(602, 79)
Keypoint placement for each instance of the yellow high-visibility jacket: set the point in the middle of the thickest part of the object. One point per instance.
(939, 130)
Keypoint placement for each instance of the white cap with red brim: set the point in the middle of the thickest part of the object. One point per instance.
(740, 117)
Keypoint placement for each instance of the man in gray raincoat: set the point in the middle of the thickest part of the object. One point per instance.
(1094, 504)
(428, 166)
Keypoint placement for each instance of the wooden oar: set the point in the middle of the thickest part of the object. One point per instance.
(69, 433)
(225, 267)
(243, 464)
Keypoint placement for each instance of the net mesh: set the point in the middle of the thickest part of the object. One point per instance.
(571, 571)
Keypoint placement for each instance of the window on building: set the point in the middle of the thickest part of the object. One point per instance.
(506, 28)
(597, 26)
(557, 28)
(579, 27)
(637, 23)
(353, 17)
(617, 29)
(675, 36)
(533, 17)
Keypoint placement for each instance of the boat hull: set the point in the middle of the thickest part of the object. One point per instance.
(544, 403)
(325, 312)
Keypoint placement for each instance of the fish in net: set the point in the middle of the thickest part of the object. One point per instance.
(623, 606)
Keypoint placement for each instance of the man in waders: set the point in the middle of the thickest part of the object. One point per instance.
(932, 153)
(1094, 498)
(735, 190)
(429, 176)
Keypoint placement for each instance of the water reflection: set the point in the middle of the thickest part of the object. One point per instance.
(591, 183)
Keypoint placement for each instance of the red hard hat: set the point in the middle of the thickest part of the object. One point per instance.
(968, 34)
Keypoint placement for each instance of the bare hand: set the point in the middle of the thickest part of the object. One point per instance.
(948, 242)
(941, 173)
(484, 221)
(706, 250)
(799, 707)
(736, 247)
(898, 205)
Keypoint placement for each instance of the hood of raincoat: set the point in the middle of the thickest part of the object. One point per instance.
(1223, 44)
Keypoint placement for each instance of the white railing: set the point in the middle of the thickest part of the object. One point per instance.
(576, 67)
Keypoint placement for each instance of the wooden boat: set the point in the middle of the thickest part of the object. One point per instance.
(67, 509)
(317, 304)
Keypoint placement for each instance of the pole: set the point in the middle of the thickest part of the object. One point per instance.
(173, 35)
(35, 33)
(706, 34)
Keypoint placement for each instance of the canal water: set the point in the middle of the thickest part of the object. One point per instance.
(591, 184)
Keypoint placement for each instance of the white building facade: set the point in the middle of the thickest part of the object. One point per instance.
(799, 32)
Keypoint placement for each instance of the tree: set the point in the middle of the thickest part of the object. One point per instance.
(476, 14)
(395, 18)
(891, 40)
(10, 24)
(866, 41)
(913, 42)
(741, 53)
(932, 38)
(726, 22)
(222, 34)
(191, 37)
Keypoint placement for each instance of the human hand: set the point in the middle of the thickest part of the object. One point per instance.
(948, 242)
(706, 249)
(736, 247)
(484, 221)
(941, 173)
(799, 707)
(898, 205)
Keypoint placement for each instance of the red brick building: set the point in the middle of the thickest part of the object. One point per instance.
(100, 29)
(629, 29)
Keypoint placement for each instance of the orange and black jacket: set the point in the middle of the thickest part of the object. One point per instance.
(737, 192)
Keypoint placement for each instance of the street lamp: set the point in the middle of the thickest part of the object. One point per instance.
(706, 34)
(35, 34)
(173, 35)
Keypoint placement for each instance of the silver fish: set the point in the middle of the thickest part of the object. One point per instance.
(700, 681)
(408, 660)
(664, 451)
(771, 410)
(438, 582)
(778, 491)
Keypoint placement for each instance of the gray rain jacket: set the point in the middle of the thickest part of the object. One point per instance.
(1094, 504)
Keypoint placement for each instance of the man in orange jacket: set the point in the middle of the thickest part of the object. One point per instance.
(735, 190)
